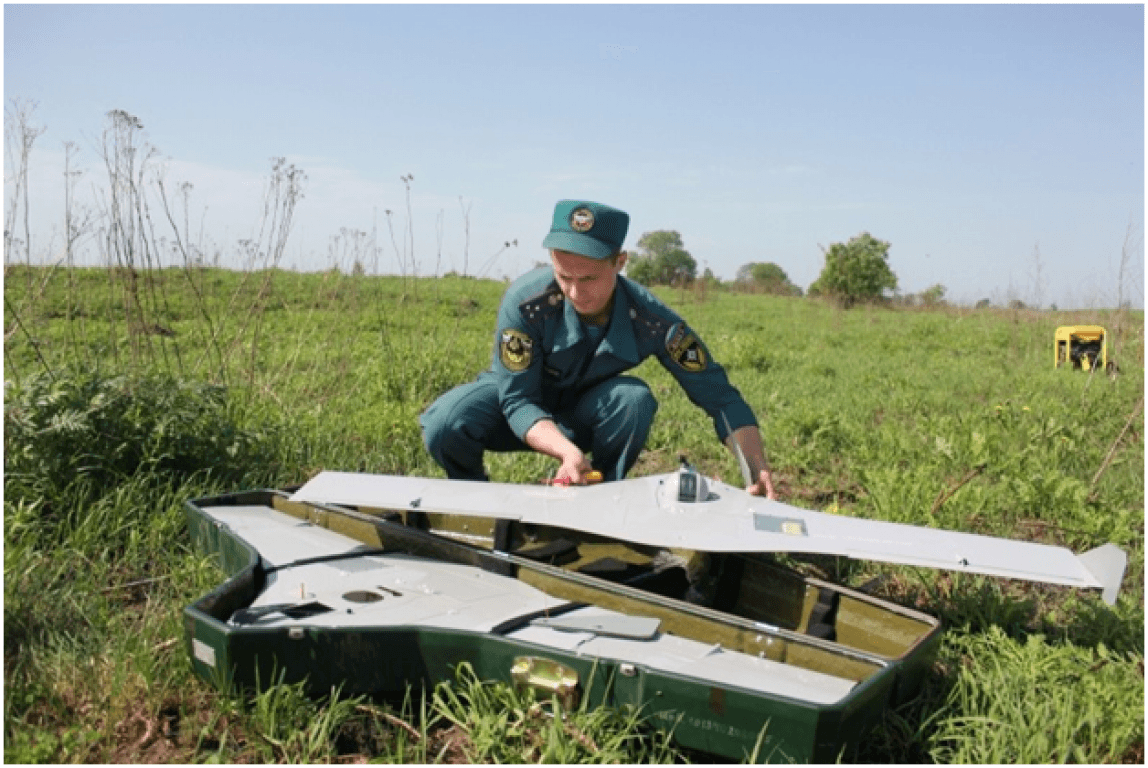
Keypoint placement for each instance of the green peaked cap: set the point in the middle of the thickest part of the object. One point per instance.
(586, 228)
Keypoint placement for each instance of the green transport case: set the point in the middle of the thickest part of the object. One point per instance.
(759, 661)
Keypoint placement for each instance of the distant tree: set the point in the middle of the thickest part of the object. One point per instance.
(660, 242)
(766, 277)
(661, 259)
(984, 304)
(710, 279)
(677, 268)
(640, 269)
(769, 273)
(856, 271)
(931, 297)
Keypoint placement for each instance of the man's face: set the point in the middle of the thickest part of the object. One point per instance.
(587, 283)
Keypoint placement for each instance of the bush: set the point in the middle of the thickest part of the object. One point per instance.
(856, 271)
(98, 431)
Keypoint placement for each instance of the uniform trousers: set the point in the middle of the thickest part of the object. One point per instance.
(610, 421)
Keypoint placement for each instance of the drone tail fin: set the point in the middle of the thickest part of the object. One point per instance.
(1106, 563)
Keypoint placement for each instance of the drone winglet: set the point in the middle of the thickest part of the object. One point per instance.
(1106, 563)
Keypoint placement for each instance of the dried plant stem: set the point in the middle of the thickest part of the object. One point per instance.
(414, 734)
(31, 341)
(137, 583)
(1112, 450)
(946, 495)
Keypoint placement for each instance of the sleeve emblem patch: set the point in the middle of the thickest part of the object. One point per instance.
(686, 350)
(515, 350)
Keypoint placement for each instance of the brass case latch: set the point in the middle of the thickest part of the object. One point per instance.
(548, 678)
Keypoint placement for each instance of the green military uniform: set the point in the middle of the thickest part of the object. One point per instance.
(549, 364)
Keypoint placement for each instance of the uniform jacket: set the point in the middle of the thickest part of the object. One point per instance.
(544, 359)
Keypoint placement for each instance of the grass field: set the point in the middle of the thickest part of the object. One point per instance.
(128, 392)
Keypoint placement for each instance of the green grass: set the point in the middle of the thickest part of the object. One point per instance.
(126, 395)
(1034, 701)
(502, 725)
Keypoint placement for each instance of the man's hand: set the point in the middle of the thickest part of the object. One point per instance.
(747, 440)
(573, 469)
(763, 486)
(545, 437)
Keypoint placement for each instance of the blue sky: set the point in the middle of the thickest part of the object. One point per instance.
(999, 149)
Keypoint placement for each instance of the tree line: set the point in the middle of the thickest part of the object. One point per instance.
(855, 271)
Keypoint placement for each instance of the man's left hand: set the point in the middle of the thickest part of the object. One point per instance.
(763, 486)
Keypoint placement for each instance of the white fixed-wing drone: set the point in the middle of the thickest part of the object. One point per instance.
(687, 510)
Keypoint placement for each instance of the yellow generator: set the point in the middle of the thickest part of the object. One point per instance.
(1082, 345)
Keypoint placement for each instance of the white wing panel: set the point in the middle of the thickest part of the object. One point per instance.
(647, 511)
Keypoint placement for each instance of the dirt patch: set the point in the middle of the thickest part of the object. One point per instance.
(1134, 755)
(144, 738)
(449, 745)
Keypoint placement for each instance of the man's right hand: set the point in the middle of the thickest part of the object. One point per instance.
(573, 469)
(545, 437)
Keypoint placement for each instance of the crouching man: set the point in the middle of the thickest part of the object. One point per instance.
(565, 335)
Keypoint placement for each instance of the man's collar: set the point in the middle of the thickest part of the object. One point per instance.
(571, 331)
(620, 341)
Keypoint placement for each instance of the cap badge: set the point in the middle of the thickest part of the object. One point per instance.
(581, 220)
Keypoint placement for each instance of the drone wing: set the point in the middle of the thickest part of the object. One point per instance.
(714, 517)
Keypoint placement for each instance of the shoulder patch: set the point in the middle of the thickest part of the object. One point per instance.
(515, 349)
(686, 349)
(544, 303)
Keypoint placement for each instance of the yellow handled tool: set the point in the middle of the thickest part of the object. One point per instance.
(591, 477)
